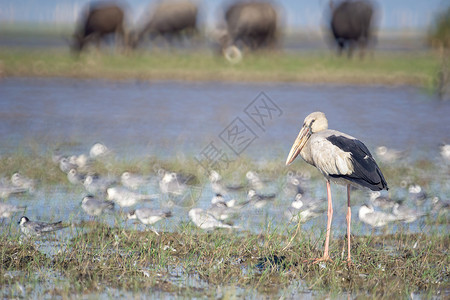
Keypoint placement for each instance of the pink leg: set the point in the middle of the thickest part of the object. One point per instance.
(326, 256)
(349, 218)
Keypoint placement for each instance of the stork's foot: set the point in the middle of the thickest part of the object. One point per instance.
(322, 259)
(350, 263)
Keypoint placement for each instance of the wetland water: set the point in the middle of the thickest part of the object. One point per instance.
(179, 119)
(176, 119)
(164, 118)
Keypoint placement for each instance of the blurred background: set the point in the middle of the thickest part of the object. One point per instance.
(406, 20)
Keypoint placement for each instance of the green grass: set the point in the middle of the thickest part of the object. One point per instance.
(418, 69)
(384, 267)
(33, 163)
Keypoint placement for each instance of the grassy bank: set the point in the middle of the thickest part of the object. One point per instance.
(417, 69)
(97, 259)
(384, 267)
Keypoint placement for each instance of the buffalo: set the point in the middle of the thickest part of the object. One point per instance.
(170, 19)
(98, 21)
(351, 25)
(250, 24)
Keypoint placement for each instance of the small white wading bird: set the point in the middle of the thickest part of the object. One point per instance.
(20, 181)
(65, 165)
(30, 228)
(149, 216)
(254, 181)
(125, 197)
(172, 183)
(218, 186)
(133, 181)
(341, 158)
(370, 216)
(381, 201)
(259, 200)
(205, 220)
(75, 177)
(97, 185)
(98, 150)
(303, 211)
(219, 199)
(95, 207)
(406, 214)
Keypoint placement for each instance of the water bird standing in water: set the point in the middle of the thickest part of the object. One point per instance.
(98, 150)
(302, 210)
(382, 201)
(125, 197)
(149, 216)
(205, 220)
(95, 207)
(133, 181)
(370, 216)
(31, 228)
(341, 158)
(20, 181)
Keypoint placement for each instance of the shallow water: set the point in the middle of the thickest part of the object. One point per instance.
(165, 118)
(168, 119)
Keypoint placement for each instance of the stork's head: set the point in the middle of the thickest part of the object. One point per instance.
(313, 123)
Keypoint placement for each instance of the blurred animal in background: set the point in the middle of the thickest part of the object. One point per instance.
(99, 20)
(170, 20)
(439, 39)
(351, 25)
(251, 25)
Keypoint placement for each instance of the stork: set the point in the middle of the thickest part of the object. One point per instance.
(342, 159)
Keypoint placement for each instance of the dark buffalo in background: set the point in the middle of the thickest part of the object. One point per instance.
(250, 24)
(170, 19)
(351, 25)
(99, 20)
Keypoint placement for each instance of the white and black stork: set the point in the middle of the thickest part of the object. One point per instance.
(341, 158)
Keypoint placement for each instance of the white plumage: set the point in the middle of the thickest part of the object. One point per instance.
(341, 158)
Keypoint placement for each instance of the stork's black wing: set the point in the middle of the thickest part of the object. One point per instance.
(365, 170)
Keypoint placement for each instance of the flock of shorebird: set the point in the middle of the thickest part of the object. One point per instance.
(349, 162)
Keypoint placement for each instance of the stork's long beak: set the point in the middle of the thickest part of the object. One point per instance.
(300, 141)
